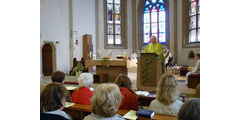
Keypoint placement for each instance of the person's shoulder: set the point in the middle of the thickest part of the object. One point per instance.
(97, 117)
(178, 102)
(124, 89)
(46, 116)
(118, 117)
(93, 117)
(154, 103)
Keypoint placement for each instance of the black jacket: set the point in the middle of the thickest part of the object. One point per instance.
(45, 116)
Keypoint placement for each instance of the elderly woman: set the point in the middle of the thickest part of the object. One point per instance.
(83, 94)
(105, 103)
(52, 101)
(166, 101)
(190, 110)
(129, 100)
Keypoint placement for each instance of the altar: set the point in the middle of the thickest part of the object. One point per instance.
(115, 67)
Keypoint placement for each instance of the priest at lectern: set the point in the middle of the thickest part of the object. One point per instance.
(155, 47)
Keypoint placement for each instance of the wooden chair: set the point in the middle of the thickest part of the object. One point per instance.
(183, 71)
(193, 80)
(100, 78)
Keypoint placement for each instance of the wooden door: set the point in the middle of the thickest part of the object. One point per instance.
(47, 65)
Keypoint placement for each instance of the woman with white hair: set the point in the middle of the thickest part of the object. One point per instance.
(83, 94)
(105, 103)
(166, 101)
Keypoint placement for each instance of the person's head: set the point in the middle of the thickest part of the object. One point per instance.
(52, 97)
(106, 100)
(85, 80)
(123, 81)
(58, 76)
(153, 39)
(190, 110)
(167, 89)
(197, 56)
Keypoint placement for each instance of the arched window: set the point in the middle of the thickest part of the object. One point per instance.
(154, 20)
(194, 25)
(113, 22)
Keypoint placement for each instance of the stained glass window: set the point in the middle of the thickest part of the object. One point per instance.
(194, 25)
(155, 20)
(114, 22)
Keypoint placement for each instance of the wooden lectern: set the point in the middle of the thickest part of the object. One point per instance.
(148, 72)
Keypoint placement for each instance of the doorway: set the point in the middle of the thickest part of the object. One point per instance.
(48, 59)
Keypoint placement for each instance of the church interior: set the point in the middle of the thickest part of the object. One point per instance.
(109, 38)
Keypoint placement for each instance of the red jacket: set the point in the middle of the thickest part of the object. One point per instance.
(82, 96)
(129, 100)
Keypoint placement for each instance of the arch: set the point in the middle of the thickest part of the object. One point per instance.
(48, 58)
(140, 20)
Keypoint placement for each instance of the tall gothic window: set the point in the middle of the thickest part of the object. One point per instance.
(155, 20)
(194, 25)
(114, 23)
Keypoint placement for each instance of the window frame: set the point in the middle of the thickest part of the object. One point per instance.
(123, 26)
(186, 24)
(197, 28)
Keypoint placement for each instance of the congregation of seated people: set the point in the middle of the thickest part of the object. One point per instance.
(107, 98)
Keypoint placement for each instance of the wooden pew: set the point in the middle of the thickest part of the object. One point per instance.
(145, 100)
(79, 111)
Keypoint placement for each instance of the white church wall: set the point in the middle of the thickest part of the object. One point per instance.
(83, 23)
(54, 26)
(100, 30)
(171, 27)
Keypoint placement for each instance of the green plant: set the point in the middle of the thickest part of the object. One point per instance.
(105, 62)
(77, 70)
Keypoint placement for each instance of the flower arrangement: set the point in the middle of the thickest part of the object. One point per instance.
(105, 62)
(77, 70)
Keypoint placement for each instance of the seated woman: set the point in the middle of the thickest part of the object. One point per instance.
(196, 69)
(166, 97)
(129, 100)
(190, 110)
(105, 103)
(83, 94)
(52, 101)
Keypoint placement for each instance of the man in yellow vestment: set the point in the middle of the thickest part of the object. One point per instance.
(155, 47)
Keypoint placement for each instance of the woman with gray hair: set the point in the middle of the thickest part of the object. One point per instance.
(190, 110)
(83, 94)
(166, 101)
(105, 103)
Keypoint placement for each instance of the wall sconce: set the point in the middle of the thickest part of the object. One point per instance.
(56, 43)
(76, 42)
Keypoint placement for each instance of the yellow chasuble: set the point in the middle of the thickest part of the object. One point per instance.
(156, 48)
